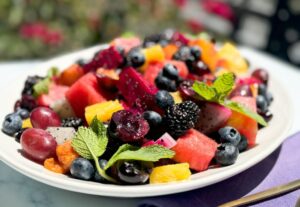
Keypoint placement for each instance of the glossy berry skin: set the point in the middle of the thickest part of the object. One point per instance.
(132, 172)
(170, 71)
(226, 154)
(23, 113)
(229, 135)
(38, 144)
(153, 118)
(82, 169)
(43, 117)
(97, 176)
(135, 58)
(241, 90)
(18, 134)
(199, 68)
(196, 52)
(261, 75)
(165, 83)
(164, 99)
(243, 144)
(261, 103)
(269, 98)
(12, 123)
(262, 89)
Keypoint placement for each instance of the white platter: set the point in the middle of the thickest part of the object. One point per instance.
(268, 140)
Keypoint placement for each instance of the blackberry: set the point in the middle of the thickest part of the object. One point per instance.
(29, 83)
(72, 122)
(181, 117)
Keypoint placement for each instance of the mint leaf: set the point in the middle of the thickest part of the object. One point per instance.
(205, 91)
(88, 144)
(151, 153)
(41, 87)
(54, 71)
(224, 84)
(98, 127)
(238, 107)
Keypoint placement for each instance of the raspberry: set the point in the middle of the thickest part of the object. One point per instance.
(181, 117)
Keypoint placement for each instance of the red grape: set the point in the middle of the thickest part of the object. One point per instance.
(261, 75)
(38, 144)
(42, 117)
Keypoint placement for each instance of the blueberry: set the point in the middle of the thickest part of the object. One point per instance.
(269, 98)
(229, 135)
(18, 134)
(262, 89)
(97, 176)
(196, 52)
(12, 123)
(243, 144)
(170, 71)
(135, 57)
(165, 83)
(154, 119)
(226, 154)
(164, 99)
(261, 103)
(23, 113)
(133, 172)
(82, 169)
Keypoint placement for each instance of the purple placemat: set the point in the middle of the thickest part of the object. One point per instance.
(282, 166)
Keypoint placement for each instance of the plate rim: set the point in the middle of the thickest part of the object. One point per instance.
(144, 190)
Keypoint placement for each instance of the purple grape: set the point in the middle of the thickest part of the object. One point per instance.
(43, 117)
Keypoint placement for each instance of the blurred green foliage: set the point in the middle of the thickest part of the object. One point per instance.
(38, 29)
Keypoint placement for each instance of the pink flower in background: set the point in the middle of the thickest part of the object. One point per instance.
(219, 8)
(196, 26)
(41, 32)
(180, 3)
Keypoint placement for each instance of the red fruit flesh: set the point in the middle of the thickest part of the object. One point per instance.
(126, 43)
(136, 90)
(212, 117)
(56, 92)
(244, 124)
(38, 144)
(107, 58)
(152, 71)
(196, 149)
(85, 92)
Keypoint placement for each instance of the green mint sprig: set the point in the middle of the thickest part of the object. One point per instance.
(218, 93)
(151, 153)
(42, 87)
(91, 143)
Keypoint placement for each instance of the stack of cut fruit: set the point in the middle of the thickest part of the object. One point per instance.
(143, 111)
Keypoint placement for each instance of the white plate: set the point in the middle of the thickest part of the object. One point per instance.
(267, 141)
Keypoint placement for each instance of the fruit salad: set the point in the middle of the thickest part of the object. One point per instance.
(143, 111)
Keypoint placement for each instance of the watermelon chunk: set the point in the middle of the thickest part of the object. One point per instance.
(196, 149)
(136, 90)
(153, 69)
(85, 92)
(244, 124)
(55, 93)
(126, 43)
(212, 117)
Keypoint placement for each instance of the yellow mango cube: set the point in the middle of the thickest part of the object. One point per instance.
(170, 173)
(26, 123)
(103, 111)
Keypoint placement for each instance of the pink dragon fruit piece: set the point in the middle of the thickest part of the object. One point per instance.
(109, 58)
(212, 117)
(137, 92)
(165, 140)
